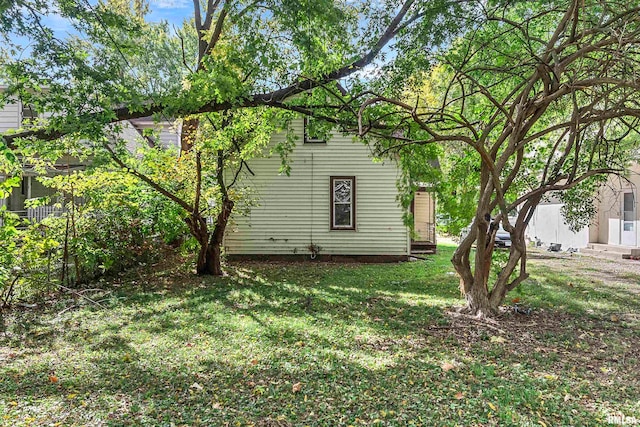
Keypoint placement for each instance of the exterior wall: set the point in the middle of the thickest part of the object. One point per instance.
(294, 211)
(607, 227)
(610, 210)
(10, 117)
(547, 224)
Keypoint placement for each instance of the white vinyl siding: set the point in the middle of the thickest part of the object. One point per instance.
(294, 211)
(10, 116)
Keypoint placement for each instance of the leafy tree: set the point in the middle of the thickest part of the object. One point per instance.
(540, 98)
(234, 55)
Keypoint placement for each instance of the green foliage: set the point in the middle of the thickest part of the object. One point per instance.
(105, 222)
(458, 190)
(114, 220)
(580, 203)
(8, 232)
(420, 168)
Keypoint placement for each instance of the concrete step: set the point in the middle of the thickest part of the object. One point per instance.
(602, 254)
(611, 248)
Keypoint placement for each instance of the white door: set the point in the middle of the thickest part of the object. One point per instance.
(628, 219)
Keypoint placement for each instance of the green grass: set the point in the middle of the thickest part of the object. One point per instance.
(318, 344)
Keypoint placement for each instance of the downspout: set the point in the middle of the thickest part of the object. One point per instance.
(312, 246)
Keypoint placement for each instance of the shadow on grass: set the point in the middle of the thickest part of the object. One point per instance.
(276, 344)
(551, 288)
(292, 387)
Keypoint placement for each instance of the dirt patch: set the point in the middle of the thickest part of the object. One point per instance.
(610, 272)
(600, 348)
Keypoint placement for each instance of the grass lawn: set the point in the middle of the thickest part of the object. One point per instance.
(323, 344)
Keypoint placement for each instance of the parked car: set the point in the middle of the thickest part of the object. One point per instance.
(503, 238)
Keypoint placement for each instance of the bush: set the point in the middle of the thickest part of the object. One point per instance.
(108, 222)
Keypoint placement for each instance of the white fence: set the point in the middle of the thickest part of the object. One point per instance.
(38, 214)
(41, 212)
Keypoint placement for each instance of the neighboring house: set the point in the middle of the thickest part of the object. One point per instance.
(617, 222)
(16, 115)
(336, 203)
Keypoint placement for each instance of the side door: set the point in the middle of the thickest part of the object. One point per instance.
(628, 237)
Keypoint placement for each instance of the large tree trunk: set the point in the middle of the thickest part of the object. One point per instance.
(475, 285)
(209, 261)
(482, 301)
(478, 302)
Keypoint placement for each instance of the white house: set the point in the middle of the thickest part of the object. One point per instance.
(18, 115)
(338, 202)
(14, 116)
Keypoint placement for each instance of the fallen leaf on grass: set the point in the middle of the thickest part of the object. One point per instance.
(446, 366)
(196, 386)
(254, 362)
(296, 387)
(492, 406)
(615, 318)
(459, 396)
(498, 339)
(53, 379)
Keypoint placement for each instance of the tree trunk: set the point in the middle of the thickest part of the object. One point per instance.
(474, 281)
(209, 261)
(479, 303)
(188, 135)
(209, 258)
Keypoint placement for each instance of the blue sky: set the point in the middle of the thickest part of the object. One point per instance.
(172, 11)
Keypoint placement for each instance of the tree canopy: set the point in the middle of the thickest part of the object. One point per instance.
(116, 66)
(540, 98)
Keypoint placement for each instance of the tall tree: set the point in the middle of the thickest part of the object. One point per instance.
(234, 54)
(541, 98)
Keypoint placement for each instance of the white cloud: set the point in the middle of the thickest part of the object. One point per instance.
(170, 4)
(57, 23)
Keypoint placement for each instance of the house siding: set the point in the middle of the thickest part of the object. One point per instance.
(10, 117)
(607, 225)
(293, 211)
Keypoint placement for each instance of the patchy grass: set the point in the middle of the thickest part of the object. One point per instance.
(321, 344)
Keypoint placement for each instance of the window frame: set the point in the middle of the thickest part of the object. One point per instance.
(27, 120)
(307, 138)
(332, 181)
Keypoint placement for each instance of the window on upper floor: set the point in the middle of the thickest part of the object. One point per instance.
(343, 202)
(310, 136)
(29, 115)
